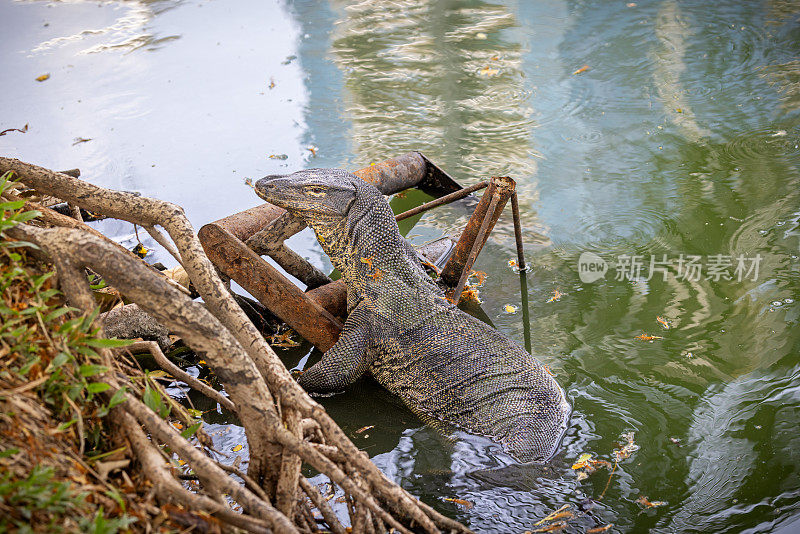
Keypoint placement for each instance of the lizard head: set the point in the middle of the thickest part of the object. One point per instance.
(310, 194)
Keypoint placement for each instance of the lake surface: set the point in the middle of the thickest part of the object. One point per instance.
(654, 142)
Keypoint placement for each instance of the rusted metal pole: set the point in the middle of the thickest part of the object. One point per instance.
(452, 197)
(517, 231)
(476, 248)
(270, 287)
(456, 266)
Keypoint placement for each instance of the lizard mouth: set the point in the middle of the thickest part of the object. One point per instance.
(275, 190)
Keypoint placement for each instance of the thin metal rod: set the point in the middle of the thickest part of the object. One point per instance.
(442, 200)
(517, 231)
(526, 317)
(476, 247)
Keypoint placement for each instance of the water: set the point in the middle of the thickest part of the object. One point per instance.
(679, 143)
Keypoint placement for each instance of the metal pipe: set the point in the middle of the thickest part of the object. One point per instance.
(452, 197)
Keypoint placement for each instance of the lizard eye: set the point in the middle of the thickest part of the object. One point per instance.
(315, 190)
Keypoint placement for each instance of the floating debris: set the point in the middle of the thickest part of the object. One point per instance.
(627, 449)
(553, 527)
(663, 322)
(79, 140)
(283, 340)
(237, 448)
(364, 429)
(43, 77)
(583, 461)
(512, 263)
(480, 278)
(646, 337)
(24, 129)
(510, 308)
(480, 36)
(462, 502)
(271, 83)
(278, 156)
(288, 60)
(556, 296)
(312, 149)
(597, 530)
(488, 71)
(555, 515)
(644, 503)
(580, 70)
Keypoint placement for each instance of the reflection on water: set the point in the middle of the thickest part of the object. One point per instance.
(440, 77)
(682, 137)
(127, 32)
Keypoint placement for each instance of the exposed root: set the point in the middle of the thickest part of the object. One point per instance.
(285, 428)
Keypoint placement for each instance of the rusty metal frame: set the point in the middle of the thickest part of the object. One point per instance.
(236, 243)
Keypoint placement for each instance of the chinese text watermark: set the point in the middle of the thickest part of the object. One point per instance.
(684, 267)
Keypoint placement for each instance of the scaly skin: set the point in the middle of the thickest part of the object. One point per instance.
(447, 366)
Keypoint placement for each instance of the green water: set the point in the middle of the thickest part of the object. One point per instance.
(679, 142)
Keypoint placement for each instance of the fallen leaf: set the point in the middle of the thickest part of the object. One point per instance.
(582, 475)
(627, 449)
(43, 77)
(177, 425)
(663, 322)
(646, 337)
(480, 36)
(249, 182)
(278, 156)
(79, 140)
(140, 250)
(631, 4)
(488, 71)
(364, 429)
(583, 461)
(597, 530)
(556, 296)
(471, 294)
(480, 278)
(312, 149)
(510, 308)
(272, 83)
(237, 448)
(582, 69)
(512, 263)
(462, 502)
(644, 503)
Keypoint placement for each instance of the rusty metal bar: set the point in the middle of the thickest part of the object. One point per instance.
(456, 266)
(517, 230)
(452, 197)
(476, 246)
(269, 286)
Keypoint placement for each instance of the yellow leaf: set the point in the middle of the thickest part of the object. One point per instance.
(237, 448)
(510, 308)
(42, 78)
(583, 461)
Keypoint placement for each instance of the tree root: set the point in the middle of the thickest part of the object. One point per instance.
(279, 418)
